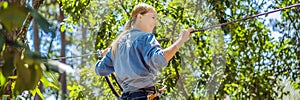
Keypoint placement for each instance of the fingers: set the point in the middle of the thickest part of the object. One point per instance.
(184, 36)
(191, 30)
(185, 33)
(105, 51)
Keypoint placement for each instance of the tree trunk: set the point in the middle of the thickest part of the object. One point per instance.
(36, 39)
(83, 59)
(62, 54)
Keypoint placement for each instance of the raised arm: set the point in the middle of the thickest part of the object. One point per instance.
(183, 37)
(105, 66)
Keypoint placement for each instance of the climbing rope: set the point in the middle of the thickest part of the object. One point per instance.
(246, 18)
(59, 58)
(99, 52)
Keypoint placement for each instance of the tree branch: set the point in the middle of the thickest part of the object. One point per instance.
(23, 30)
(123, 7)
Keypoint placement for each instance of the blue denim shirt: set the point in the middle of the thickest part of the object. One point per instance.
(137, 60)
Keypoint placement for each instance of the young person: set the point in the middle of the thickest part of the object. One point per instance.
(136, 56)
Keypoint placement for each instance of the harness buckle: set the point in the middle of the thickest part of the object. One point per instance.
(157, 94)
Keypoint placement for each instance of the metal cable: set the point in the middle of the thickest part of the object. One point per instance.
(243, 19)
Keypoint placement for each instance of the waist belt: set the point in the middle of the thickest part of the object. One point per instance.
(150, 93)
(147, 91)
(152, 88)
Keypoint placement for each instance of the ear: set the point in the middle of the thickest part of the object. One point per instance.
(139, 16)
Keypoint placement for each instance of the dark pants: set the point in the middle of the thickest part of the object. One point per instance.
(136, 96)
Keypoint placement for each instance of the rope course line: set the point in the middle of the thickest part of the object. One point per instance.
(246, 18)
(59, 58)
(199, 30)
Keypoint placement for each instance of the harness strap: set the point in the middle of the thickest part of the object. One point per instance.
(147, 91)
(157, 94)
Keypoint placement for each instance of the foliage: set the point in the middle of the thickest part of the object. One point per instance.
(21, 69)
(74, 8)
(242, 60)
(254, 59)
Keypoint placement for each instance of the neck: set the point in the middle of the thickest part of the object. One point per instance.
(140, 27)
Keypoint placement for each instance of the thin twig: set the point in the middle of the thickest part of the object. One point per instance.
(123, 7)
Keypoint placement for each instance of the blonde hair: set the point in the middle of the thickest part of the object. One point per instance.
(141, 8)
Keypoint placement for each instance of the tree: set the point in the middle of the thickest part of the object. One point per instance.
(253, 55)
(37, 50)
(22, 69)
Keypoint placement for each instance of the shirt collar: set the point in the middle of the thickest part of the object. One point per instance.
(135, 29)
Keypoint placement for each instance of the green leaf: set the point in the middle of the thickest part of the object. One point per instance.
(28, 75)
(13, 16)
(33, 92)
(2, 78)
(2, 82)
(15, 91)
(70, 88)
(24, 78)
(47, 83)
(36, 69)
(4, 4)
(296, 85)
(2, 43)
(63, 28)
(37, 90)
(39, 93)
(52, 77)
(70, 30)
(42, 22)
(12, 77)
(9, 60)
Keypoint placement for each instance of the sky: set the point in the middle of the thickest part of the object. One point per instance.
(275, 15)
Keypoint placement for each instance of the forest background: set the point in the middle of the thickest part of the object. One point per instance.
(255, 59)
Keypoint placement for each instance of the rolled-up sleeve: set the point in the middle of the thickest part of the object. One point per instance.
(153, 53)
(105, 66)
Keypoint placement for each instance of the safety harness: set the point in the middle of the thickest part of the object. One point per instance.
(157, 94)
